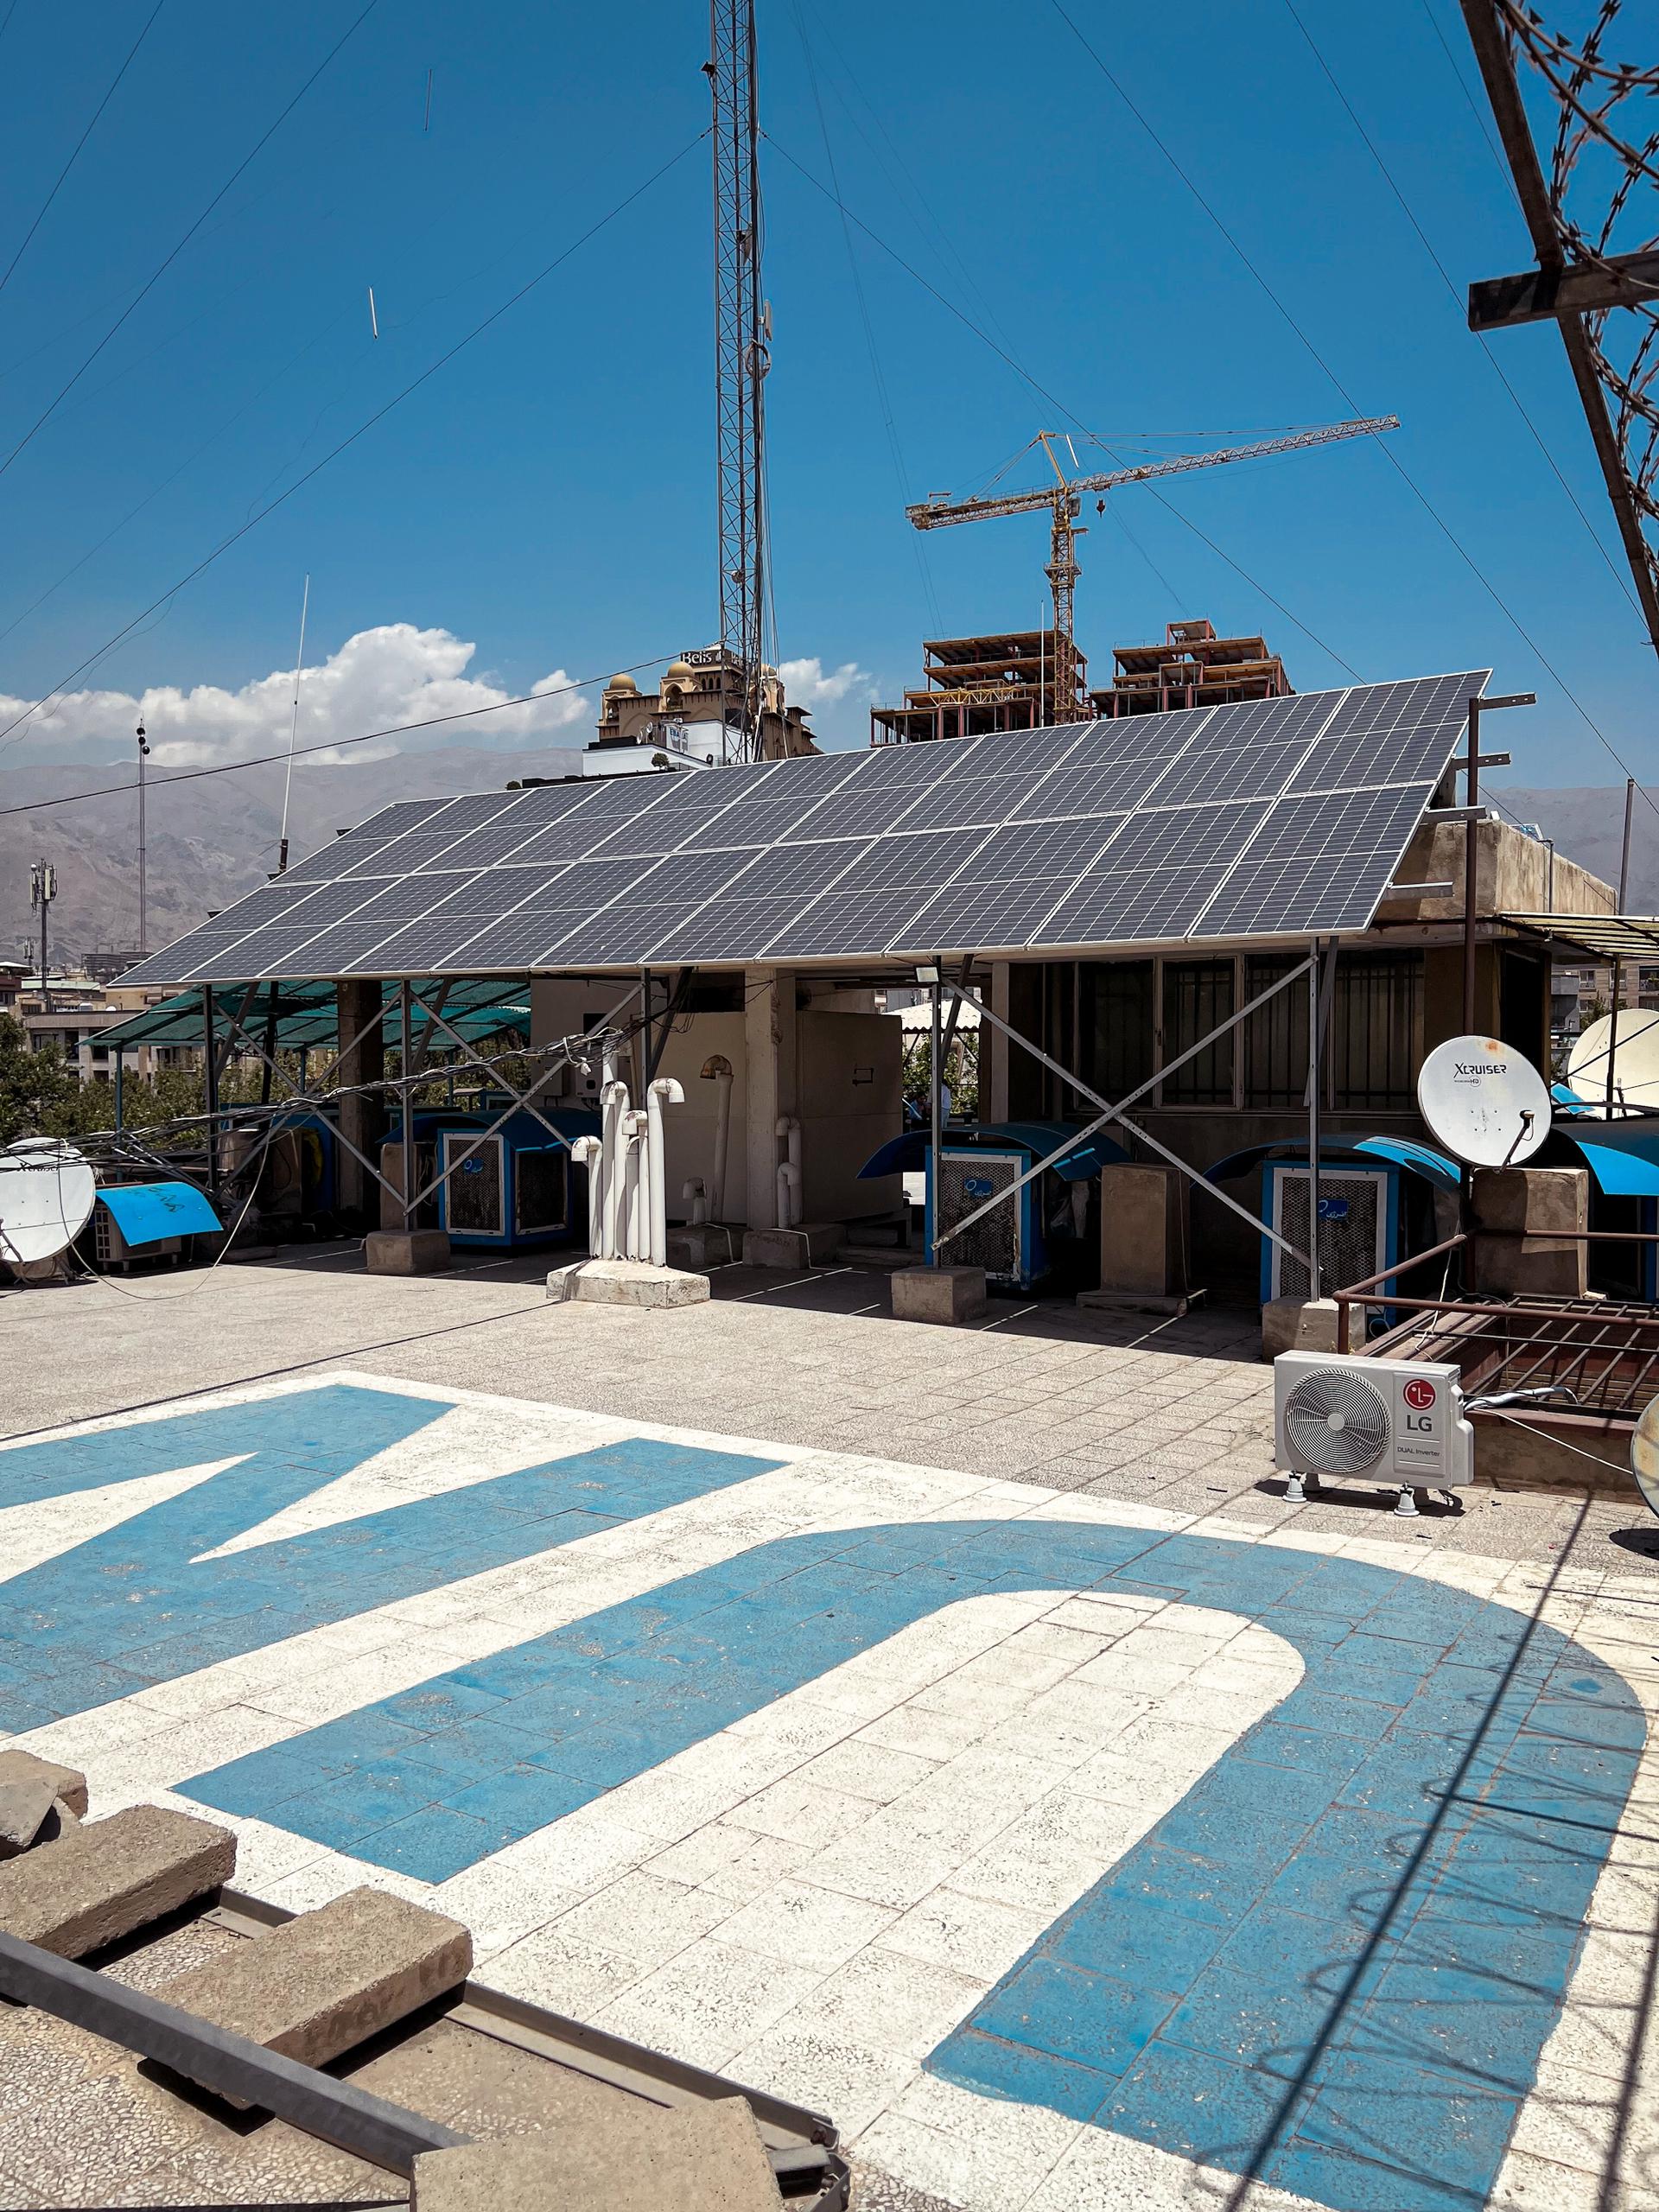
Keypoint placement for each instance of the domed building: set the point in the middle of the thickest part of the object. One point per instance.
(684, 719)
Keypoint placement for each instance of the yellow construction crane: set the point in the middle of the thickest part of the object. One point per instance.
(1063, 498)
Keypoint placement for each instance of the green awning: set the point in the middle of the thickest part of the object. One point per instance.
(305, 1015)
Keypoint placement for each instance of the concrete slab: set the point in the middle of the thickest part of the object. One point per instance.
(938, 1293)
(814, 1245)
(704, 2157)
(406, 1251)
(103, 1881)
(66, 1782)
(327, 1981)
(627, 1282)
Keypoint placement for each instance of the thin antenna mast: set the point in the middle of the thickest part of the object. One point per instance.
(293, 729)
(742, 356)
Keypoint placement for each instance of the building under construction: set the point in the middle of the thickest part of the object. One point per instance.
(974, 687)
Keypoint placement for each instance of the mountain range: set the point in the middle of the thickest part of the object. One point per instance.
(211, 838)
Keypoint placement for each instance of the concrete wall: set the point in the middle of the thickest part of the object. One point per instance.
(1512, 876)
(851, 1094)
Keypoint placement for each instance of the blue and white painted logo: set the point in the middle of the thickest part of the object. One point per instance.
(1274, 1861)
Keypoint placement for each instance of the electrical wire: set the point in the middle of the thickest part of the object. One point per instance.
(884, 399)
(326, 745)
(75, 155)
(1457, 298)
(1476, 107)
(162, 269)
(1391, 457)
(1053, 400)
(362, 429)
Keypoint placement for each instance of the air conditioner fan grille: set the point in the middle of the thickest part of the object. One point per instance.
(1336, 1424)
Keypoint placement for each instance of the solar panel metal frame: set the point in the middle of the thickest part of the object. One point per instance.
(1303, 776)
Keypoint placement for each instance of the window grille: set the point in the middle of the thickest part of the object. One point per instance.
(1378, 1024)
(1276, 1038)
(1198, 994)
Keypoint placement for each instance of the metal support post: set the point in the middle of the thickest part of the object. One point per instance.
(936, 1122)
(1613, 1033)
(120, 1117)
(210, 1091)
(1471, 853)
(1315, 1085)
(406, 1119)
(1624, 857)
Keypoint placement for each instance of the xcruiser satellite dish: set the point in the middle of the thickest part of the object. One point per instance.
(47, 1195)
(1485, 1102)
(1634, 1049)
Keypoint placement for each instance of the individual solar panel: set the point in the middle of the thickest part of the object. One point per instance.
(1018, 876)
(401, 856)
(510, 941)
(329, 862)
(264, 953)
(410, 896)
(1319, 863)
(845, 923)
(1155, 878)
(699, 801)
(332, 951)
(498, 890)
(1391, 733)
(922, 860)
(794, 871)
(1089, 787)
(727, 928)
(403, 814)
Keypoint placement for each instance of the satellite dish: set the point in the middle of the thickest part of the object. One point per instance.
(1485, 1102)
(1635, 1050)
(47, 1195)
(1645, 1454)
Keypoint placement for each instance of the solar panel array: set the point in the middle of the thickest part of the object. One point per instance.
(1276, 817)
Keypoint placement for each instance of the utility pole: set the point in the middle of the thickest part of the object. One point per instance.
(42, 890)
(294, 725)
(742, 356)
(143, 898)
(1624, 858)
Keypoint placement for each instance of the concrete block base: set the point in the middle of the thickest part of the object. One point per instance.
(1144, 1233)
(812, 1245)
(326, 1980)
(98, 1884)
(938, 1293)
(701, 1245)
(1298, 1324)
(627, 1282)
(406, 1251)
(1525, 1204)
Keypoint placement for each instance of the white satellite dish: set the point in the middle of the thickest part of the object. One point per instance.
(1645, 1454)
(47, 1195)
(1485, 1102)
(1635, 1049)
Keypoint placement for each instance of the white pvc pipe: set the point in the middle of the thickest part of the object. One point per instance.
(634, 1126)
(789, 1129)
(718, 1070)
(613, 1106)
(590, 1152)
(664, 1092)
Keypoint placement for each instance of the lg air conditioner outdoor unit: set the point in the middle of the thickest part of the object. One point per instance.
(1340, 1417)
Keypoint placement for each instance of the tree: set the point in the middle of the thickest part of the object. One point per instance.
(40, 1092)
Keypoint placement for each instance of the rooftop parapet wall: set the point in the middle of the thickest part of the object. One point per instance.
(1514, 874)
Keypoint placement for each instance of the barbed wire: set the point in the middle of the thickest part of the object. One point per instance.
(1602, 174)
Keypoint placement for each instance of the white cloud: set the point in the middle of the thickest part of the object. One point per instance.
(379, 679)
(808, 686)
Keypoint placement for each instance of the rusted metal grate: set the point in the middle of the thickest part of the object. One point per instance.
(1605, 1351)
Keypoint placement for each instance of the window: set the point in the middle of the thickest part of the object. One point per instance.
(1115, 1020)
(1198, 994)
(1276, 1038)
(1377, 1027)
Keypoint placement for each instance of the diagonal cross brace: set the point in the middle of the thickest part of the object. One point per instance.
(1120, 1113)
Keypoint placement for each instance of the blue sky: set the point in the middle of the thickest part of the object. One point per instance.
(547, 496)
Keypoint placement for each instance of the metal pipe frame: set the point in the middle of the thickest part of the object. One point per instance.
(230, 2065)
(1120, 1113)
